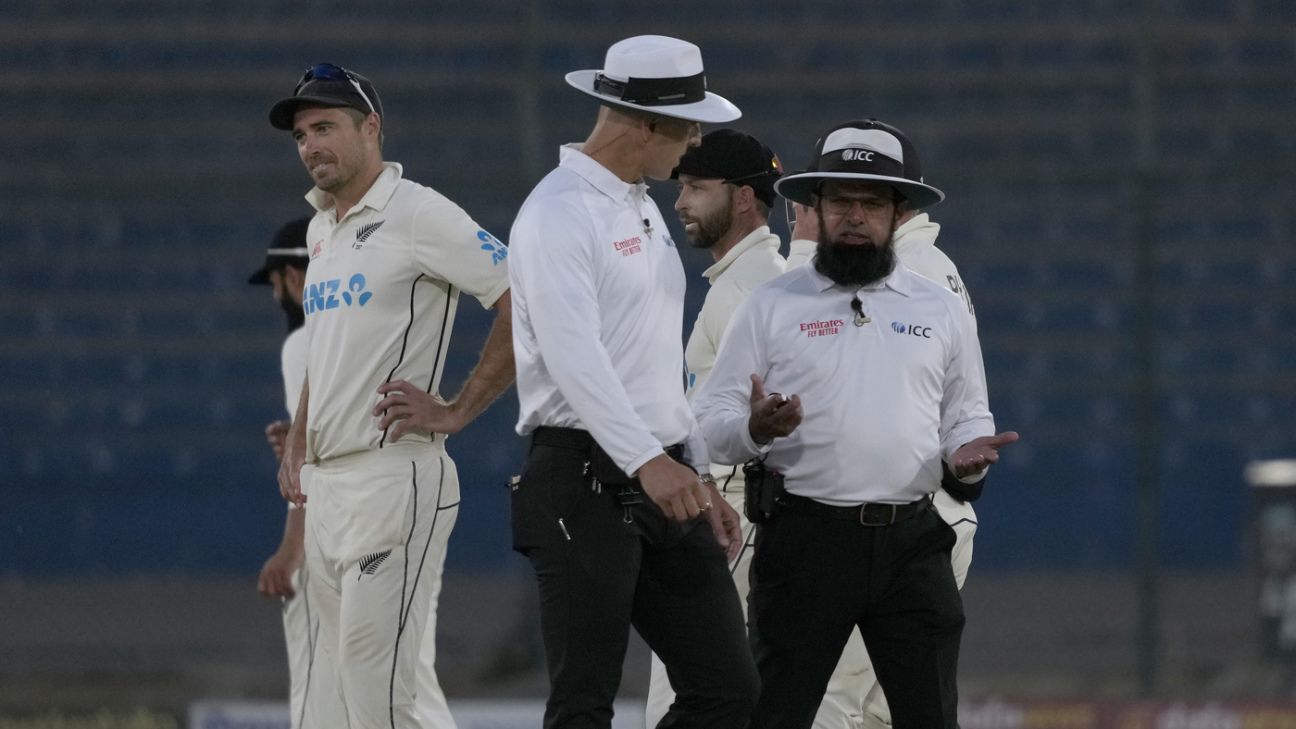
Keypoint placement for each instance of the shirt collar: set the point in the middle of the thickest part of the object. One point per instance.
(760, 237)
(601, 178)
(898, 281)
(376, 197)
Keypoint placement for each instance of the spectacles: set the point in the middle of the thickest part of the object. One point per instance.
(331, 72)
(873, 207)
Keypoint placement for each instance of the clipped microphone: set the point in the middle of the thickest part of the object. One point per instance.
(857, 306)
(647, 227)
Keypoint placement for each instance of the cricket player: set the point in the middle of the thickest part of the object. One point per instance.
(284, 574)
(726, 189)
(388, 260)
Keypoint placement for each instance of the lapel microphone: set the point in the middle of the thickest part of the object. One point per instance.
(857, 306)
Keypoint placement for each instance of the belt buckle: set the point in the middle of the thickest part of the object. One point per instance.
(895, 509)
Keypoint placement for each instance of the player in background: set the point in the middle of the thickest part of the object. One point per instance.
(389, 258)
(854, 697)
(726, 189)
(284, 574)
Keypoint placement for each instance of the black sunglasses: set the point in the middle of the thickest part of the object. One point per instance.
(331, 72)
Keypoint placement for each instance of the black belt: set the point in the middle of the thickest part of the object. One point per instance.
(870, 515)
(600, 464)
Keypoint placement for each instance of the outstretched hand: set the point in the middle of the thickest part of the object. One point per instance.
(977, 454)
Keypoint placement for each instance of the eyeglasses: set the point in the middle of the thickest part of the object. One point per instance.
(873, 207)
(330, 72)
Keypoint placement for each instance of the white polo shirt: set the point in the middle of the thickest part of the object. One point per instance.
(598, 312)
(381, 292)
(884, 402)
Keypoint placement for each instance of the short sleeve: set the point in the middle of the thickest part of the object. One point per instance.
(450, 245)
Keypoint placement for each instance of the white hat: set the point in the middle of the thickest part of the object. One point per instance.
(656, 74)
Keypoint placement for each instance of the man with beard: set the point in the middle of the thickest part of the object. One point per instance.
(726, 188)
(388, 261)
(887, 392)
(284, 574)
(854, 698)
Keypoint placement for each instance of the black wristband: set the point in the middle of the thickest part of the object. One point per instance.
(958, 489)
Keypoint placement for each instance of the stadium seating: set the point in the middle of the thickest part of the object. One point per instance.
(138, 368)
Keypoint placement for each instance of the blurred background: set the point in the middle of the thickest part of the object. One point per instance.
(1121, 181)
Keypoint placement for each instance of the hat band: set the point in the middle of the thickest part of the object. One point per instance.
(860, 162)
(654, 91)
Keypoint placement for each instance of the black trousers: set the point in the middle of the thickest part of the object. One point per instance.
(815, 579)
(603, 567)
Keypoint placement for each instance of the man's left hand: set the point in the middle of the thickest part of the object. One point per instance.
(409, 409)
(725, 522)
(977, 454)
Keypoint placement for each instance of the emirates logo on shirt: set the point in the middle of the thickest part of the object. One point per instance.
(822, 328)
(629, 246)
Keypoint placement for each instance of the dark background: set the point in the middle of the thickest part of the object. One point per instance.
(1120, 202)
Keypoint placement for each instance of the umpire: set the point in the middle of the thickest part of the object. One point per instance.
(889, 391)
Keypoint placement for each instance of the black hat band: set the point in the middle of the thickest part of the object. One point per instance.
(654, 91)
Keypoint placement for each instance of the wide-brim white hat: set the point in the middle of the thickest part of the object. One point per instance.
(657, 74)
(863, 151)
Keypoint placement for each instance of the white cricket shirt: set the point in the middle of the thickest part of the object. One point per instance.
(381, 292)
(292, 362)
(598, 310)
(751, 262)
(884, 402)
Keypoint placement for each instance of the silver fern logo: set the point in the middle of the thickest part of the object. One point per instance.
(364, 231)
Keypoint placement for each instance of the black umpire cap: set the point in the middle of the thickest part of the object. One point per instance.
(288, 248)
(329, 86)
(863, 151)
(735, 157)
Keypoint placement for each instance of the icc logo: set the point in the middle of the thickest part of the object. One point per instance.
(911, 329)
(857, 155)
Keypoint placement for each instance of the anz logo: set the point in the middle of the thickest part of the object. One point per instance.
(331, 295)
(916, 330)
(492, 244)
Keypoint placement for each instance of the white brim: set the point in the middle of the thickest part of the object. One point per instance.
(714, 109)
(800, 188)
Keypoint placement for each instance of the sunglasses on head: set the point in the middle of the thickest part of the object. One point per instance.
(330, 72)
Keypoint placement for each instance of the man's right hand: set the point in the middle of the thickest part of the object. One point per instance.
(290, 474)
(772, 416)
(674, 487)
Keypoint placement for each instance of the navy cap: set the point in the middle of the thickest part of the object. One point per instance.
(329, 86)
(287, 248)
(735, 157)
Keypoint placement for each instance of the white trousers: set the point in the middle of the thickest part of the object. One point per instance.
(377, 526)
(854, 698)
(301, 627)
